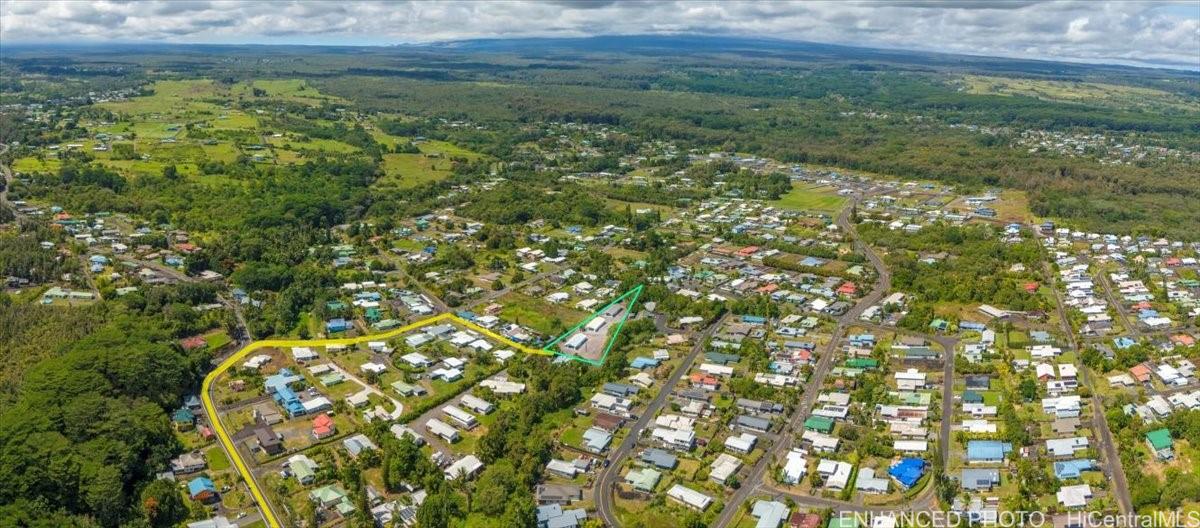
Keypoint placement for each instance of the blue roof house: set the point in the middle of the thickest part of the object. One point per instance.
(202, 489)
(1072, 469)
(278, 386)
(907, 471)
(987, 451)
(339, 324)
(642, 362)
(596, 440)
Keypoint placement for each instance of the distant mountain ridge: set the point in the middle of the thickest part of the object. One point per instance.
(768, 47)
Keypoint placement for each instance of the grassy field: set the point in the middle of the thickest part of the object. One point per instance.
(31, 165)
(537, 314)
(300, 144)
(1075, 92)
(294, 90)
(434, 163)
(405, 171)
(811, 198)
(217, 460)
(619, 206)
(217, 339)
(171, 97)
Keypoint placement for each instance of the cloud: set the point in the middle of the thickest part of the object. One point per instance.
(1157, 33)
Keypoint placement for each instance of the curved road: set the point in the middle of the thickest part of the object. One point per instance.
(883, 283)
(607, 480)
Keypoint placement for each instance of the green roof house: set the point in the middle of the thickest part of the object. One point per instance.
(862, 363)
(373, 315)
(819, 424)
(1160, 442)
(330, 496)
(183, 419)
(644, 479)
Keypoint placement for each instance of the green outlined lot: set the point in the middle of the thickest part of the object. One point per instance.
(632, 295)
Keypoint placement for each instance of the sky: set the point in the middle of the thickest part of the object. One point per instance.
(1133, 32)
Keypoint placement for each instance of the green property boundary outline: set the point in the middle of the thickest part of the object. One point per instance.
(635, 292)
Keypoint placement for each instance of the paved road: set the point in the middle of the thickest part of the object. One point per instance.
(883, 283)
(1113, 469)
(254, 483)
(1131, 327)
(949, 346)
(607, 479)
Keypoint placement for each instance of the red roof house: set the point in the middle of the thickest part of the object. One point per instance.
(747, 251)
(323, 427)
(1140, 372)
(1183, 340)
(768, 288)
(847, 288)
(705, 381)
(192, 343)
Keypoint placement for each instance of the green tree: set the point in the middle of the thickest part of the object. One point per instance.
(162, 504)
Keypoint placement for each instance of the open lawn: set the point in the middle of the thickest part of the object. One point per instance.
(32, 165)
(218, 339)
(294, 90)
(405, 171)
(303, 144)
(217, 460)
(170, 97)
(620, 205)
(811, 198)
(549, 319)
(1074, 91)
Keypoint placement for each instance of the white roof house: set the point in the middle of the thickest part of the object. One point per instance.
(303, 354)
(576, 342)
(820, 442)
(465, 467)
(794, 468)
(477, 404)
(689, 497)
(416, 359)
(256, 362)
(725, 466)
(675, 438)
(1065, 447)
(741, 444)
(716, 370)
(978, 426)
(442, 429)
(562, 467)
(836, 473)
(503, 386)
(595, 325)
(1074, 496)
(911, 446)
(911, 379)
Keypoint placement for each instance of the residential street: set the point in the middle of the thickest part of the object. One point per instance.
(609, 475)
(1112, 459)
(883, 283)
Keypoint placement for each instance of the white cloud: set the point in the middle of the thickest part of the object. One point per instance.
(1128, 32)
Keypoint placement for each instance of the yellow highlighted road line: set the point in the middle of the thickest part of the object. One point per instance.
(227, 442)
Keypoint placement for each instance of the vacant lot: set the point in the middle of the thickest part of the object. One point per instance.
(549, 319)
(811, 198)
